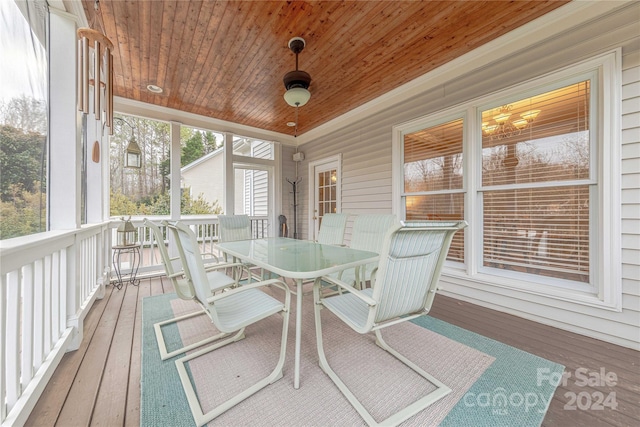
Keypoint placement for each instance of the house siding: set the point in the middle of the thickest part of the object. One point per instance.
(206, 179)
(366, 148)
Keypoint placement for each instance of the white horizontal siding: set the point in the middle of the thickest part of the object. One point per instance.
(367, 166)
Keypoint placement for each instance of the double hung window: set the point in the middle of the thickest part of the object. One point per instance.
(526, 168)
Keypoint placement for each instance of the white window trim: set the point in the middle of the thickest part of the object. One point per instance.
(606, 134)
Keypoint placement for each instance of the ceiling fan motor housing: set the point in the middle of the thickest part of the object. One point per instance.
(297, 78)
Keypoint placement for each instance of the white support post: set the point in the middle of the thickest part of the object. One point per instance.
(64, 136)
(175, 171)
(229, 177)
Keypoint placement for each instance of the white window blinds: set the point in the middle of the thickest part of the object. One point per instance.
(536, 161)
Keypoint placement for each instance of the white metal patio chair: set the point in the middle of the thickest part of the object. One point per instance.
(184, 289)
(332, 228)
(230, 311)
(403, 288)
(369, 231)
(237, 227)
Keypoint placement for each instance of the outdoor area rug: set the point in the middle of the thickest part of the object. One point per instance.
(493, 384)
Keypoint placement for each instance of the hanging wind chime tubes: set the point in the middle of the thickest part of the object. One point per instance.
(95, 73)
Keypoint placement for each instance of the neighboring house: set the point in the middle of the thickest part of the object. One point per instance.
(204, 177)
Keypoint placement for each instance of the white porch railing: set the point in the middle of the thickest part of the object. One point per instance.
(49, 282)
(206, 230)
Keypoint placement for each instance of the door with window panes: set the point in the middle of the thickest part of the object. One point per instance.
(326, 190)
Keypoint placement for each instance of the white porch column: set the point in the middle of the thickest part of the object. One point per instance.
(65, 126)
(229, 177)
(176, 183)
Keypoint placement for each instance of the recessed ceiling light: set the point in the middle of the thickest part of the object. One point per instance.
(291, 124)
(154, 88)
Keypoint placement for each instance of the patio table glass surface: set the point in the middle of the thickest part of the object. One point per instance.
(299, 260)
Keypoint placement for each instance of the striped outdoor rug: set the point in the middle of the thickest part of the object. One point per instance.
(493, 384)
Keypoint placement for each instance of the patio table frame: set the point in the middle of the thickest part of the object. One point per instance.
(300, 260)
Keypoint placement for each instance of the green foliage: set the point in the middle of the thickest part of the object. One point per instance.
(196, 143)
(21, 156)
(121, 205)
(21, 216)
(192, 150)
(160, 204)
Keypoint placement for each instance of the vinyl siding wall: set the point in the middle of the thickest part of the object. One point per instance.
(366, 148)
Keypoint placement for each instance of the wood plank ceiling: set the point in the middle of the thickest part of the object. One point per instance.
(226, 59)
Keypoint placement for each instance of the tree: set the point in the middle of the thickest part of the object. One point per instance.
(21, 160)
(192, 150)
(26, 113)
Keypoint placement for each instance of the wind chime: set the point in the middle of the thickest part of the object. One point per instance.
(95, 74)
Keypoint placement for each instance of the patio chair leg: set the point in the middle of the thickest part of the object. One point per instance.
(194, 403)
(400, 416)
(164, 354)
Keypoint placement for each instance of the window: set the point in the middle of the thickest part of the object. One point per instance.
(23, 117)
(433, 177)
(532, 169)
(144, 190)
(253, 166)
(201, 173)
(536, 184)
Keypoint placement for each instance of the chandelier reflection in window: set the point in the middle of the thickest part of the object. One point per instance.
(503, 126)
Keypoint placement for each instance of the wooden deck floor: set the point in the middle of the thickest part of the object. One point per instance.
(99, 384)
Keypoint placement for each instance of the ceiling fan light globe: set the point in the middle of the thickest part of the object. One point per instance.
(297, 96)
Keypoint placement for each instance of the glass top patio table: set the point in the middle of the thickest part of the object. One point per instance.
(299, 260)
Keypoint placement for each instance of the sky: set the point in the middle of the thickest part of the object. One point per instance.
(22, 63)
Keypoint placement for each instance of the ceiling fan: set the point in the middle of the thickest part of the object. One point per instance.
(297, 82)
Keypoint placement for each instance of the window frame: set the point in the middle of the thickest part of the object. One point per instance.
(605, 288)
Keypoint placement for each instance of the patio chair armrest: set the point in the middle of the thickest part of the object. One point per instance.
(212, 267)
(276, 282)
(345, 286)
(211, 254)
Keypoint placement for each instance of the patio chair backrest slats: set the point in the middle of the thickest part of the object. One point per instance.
(332, 228)
(409, 269)
(234, 227)
(181, 284)
(370, 230)
(192, 261)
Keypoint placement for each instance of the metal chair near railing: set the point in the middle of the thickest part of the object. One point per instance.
(237, 227)
(184, 288)
(403, 288)
(230, 311)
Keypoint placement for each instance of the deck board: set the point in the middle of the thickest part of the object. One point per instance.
(111, 402)
(55, 393)
(104, 374)
(132, 418)
(86, 384)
